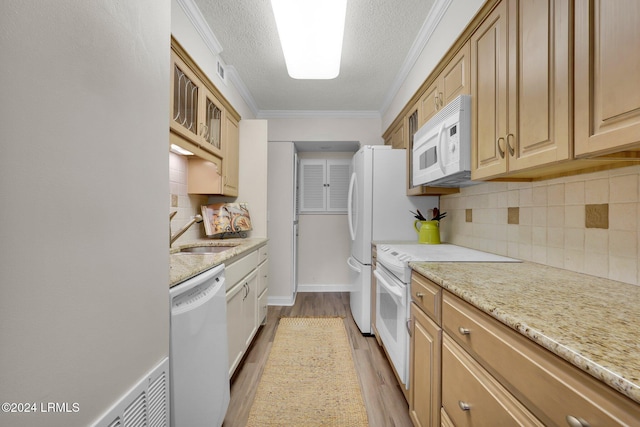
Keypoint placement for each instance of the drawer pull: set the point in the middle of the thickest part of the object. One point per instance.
(464, 406)
(464, 331)
(419, 295)
(576, 422)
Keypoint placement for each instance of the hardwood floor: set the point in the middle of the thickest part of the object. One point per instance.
(386, 405)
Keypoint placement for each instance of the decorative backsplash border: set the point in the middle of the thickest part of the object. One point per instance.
(585, 223)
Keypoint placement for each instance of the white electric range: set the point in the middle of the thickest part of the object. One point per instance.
(396, 257)
(393, 297)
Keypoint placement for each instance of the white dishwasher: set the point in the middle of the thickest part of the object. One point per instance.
(199, 365)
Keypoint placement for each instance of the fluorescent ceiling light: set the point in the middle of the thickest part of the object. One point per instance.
(179, 150)
(311, 33)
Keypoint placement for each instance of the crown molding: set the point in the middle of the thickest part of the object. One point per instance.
(200, 24)
(238, 83)
(317, 114)
(426, 31)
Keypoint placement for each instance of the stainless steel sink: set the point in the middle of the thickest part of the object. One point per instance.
(207, 249)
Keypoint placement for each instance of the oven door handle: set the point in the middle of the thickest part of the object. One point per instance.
(392, 289)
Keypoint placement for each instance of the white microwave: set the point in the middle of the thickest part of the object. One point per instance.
(442, 147)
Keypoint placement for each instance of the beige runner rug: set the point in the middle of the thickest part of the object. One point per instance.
(309, 378)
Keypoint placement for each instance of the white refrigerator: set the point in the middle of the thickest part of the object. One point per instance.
(378, 210)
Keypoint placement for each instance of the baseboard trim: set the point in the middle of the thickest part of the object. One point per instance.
(324, 288)
(282, 301)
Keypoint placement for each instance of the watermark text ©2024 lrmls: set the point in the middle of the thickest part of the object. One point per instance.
(41, 407)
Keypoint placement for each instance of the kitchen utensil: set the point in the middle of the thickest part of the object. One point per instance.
(418, 216)
(439, 216)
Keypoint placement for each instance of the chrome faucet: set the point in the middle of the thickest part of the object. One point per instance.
(174, 237)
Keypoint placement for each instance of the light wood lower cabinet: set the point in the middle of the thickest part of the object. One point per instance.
(246, 284)
(426, 341)
(472, 397)
(425, 352)
(490, 374)
(548, 386)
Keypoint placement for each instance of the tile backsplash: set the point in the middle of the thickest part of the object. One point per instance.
(188, 205)
(586, 223)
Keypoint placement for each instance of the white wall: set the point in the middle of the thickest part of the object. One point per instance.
(253, 173)
(367, 131)
(324, 244)
(454, 21)
(84, 303)
(281, 188)
(324, 247)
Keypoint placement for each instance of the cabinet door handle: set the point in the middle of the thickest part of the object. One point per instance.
(500, 150)
(419, 295)
(512, 150)
(576, 422)
(441, 99)
(435, 102)
(463, 405)
(464, 331)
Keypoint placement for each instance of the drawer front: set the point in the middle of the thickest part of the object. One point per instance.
(263, 253)
(428, 296)
(472, 397)
(263, 277)
(263, 307)
(234, 272)
(550, 387)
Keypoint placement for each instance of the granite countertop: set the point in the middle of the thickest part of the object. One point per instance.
(590, 322)
(184, 266)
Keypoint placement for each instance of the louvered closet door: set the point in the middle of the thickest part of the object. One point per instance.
(338, 175)
(312, 190)
(324, 185)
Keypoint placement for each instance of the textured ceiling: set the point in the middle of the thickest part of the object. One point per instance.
(378, 36)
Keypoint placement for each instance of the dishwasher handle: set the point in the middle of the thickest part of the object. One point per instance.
(197, 291)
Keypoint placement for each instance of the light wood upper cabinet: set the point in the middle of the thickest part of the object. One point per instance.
(212, 126)
(454, 80)
(231, 163)
(489, 51)
(520, 87)
(607, 76)
(203, 122)
(429, 104)
(397, 137)
(186, 93)
(195, 113)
